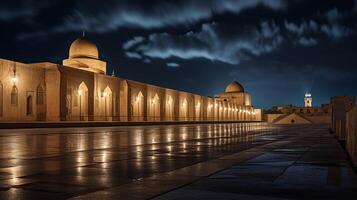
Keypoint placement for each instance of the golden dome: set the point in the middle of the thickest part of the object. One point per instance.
(83, 48)
(234, 87)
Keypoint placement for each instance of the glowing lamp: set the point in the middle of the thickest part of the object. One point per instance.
(14, 79)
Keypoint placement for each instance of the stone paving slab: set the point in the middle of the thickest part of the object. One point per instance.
(152, 186)
(313, 166)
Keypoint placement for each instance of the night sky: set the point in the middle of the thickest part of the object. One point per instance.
(276, 49)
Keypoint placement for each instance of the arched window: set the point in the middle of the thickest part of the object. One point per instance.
(14, 96)
(1, 99)
(40, 95)
(29, 109)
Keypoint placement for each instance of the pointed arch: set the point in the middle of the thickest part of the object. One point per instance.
(40, 95)
(14, 96)
(107, 98)
(184, 110)
(155, 108)
(29, 105)
(83, 101)
(198, 110)
(138, 107)
(169, 108)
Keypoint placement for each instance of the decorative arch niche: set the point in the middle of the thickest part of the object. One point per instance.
(83, 102)
(107, 103)
(138, 107)
(155, 108)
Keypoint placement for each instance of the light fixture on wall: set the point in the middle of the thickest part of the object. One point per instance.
(104, 94)
(14, 79)
(80, 92)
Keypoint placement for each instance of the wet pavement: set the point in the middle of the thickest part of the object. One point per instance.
(312, 166)
(69, 162)
(145, 161)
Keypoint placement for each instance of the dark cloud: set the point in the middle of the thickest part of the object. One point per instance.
(130, 43)
(133, 55)
(113, 15)
(173, 64)
(11, 10)
(211, 44)
(306, 41)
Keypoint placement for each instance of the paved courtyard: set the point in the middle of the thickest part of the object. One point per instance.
(207, 161)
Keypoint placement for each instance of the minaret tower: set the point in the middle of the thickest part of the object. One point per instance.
(308, 100)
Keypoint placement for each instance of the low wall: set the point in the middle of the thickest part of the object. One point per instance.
(324, 119)
(271, 117)
(70, 124)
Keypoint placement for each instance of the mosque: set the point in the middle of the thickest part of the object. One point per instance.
(80, 90)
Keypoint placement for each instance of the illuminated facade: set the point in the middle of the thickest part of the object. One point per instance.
(308, 100)
(80, 90)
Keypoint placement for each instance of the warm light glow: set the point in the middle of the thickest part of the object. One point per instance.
(80, 92)
(105, 94)
(169, 101)
(154, 101)
(14, 79)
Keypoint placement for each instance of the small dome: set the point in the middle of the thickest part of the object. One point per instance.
(83, 48)
(234, 87)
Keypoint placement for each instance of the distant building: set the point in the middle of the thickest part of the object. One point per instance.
(308, 100)
(79, 90)
(289, 114)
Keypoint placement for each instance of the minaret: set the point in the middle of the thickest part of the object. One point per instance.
(308, 100)
(113, 73)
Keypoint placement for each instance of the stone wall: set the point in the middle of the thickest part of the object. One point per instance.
(271, 117)
(344, 123)
(340, 106)
(72, 94)
(351, 134)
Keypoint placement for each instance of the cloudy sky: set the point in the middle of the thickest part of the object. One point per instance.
(277, 49)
